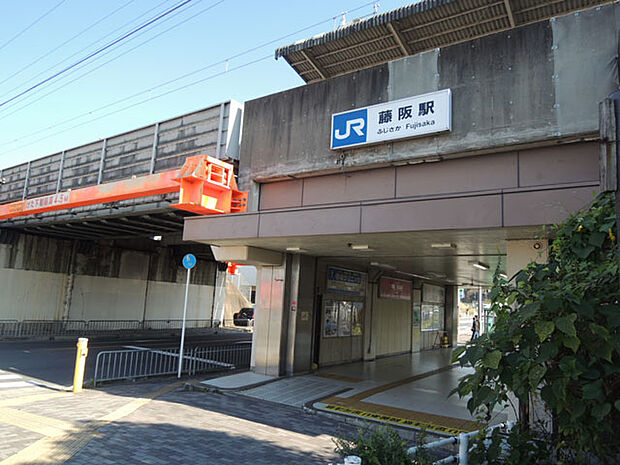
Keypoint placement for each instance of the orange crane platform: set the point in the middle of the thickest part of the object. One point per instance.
(206, 186)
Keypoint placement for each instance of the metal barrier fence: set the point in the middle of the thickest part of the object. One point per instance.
(141, 363)
(9, 328)
(51, 328)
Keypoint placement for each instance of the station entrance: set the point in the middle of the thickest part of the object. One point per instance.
(374, 312)
(328, 300)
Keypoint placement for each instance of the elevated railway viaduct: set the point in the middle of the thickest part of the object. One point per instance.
(119, 260)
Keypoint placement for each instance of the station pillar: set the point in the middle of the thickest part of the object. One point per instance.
(284, 317)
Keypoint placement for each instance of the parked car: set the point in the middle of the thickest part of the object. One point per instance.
(244, 317)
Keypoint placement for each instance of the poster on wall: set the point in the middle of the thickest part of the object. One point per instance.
(433, 294)
(341, 281)
(356, 318)
(344, 319)
(330, 319)
(431, 318)
(392, 288)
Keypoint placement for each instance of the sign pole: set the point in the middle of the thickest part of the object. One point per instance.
(189, 261)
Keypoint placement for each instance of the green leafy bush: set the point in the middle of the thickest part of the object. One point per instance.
(380, 446)
(556, 335)
(517, 447)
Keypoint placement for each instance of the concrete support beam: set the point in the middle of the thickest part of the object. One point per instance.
(245, 255)
(283, 341)
(270, 321)
(452, 313)
(291, 310)
(219, 296)
(370, 319)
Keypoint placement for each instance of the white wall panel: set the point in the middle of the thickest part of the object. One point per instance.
(393, 326)
(31, 295)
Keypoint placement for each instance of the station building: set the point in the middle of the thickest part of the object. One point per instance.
(428, 149)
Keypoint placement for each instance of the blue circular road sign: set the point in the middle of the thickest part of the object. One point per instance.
(189, 261)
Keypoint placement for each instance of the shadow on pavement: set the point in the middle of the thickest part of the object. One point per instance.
(218, 443)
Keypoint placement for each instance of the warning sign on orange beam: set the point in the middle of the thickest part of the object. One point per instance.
(48, 201)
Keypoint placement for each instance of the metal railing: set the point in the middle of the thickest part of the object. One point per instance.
(116, 365)
(462, 440)
(9, 328)
(52, 328)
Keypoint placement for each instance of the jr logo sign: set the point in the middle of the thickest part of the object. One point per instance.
(415, 116)
(349, 128)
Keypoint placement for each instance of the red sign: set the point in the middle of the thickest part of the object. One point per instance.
(392, 288)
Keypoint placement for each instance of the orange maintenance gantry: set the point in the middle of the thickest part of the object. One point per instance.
(206, 186)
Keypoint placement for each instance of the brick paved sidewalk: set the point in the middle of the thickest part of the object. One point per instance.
(159, 423)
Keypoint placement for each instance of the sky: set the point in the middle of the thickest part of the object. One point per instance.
(228, 45)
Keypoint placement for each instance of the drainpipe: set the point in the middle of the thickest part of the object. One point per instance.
(70, 282)
(146, 290)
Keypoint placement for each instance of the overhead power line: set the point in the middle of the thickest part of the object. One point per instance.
(31, 24)
(111, 33)
(72, 38)
(26, 105)
(185, 86)
(148, 99)
(97, 52)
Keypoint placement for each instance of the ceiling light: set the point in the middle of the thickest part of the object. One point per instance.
(382, 265)
(156, 238)
(434, 274)
(413, 275)
(480, 265)
(503, 275)
(294, 249)
(443, 245)
(360, 247)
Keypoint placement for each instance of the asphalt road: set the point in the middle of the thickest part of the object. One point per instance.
(53, 361)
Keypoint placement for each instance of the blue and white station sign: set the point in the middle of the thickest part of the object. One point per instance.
(399, 119)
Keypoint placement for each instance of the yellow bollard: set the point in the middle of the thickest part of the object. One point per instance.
(80, 364)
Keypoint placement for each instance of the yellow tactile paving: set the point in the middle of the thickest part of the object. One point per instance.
(52, 450)
(354, 405)
(421, 420)
(137, 403)
(37, 423)
(33, 398)
(63, 440)
(347, 379)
